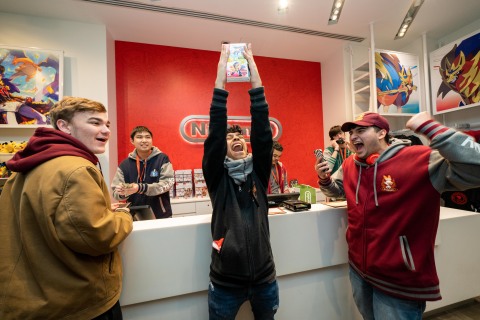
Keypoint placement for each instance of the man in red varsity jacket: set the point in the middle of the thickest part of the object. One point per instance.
(393, 198)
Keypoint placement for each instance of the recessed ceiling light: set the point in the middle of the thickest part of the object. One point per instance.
(282, 6)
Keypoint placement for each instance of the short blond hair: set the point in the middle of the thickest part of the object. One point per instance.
(66, 108)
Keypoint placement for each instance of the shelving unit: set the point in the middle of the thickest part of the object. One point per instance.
(360, 89)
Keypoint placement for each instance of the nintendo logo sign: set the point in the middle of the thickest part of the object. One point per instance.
(194, 129)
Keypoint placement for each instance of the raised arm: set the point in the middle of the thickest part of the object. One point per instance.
(255, 79)
(222, 68)
(215, 146)
(261, 134)
(455, 158)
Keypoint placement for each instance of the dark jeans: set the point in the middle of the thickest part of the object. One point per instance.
(114, 313)
(224, 302)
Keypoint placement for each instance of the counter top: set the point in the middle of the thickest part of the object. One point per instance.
(166, 264)
(181, 247)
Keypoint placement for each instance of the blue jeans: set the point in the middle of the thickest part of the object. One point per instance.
(224, 302)
(373, 304)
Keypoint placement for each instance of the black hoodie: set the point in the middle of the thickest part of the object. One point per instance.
(239, 226)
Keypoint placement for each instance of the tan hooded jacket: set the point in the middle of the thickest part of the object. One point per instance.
(58, 243)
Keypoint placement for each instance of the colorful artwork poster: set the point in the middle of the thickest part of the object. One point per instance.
(397, 82)
(31, 83)
(455, 75)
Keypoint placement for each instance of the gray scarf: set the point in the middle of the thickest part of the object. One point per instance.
(239, 169)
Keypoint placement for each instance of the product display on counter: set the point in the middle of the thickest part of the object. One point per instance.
(199, 183)
(296, 205)
(276, 199)
(183, 183)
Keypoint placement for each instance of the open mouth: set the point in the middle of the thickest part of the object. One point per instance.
(358, 146)
(237, 147)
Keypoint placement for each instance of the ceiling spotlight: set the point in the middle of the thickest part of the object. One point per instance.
(407, 21)
(282, 6)
(335, 12)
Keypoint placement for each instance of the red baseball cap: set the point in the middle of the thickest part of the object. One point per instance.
(367, 119)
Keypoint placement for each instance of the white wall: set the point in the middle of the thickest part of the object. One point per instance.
(85, 60)
(112, 110)
(335, 90)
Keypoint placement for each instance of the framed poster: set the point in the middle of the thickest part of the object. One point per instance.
(455, 75)
(397, 82)
(31, 82)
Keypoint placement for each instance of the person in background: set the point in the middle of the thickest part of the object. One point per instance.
(393, 205)
(278, 177)
(145, 177)
(59, 233)
(338, 151)
(242, 266)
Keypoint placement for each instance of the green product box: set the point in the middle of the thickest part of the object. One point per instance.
(307, 193)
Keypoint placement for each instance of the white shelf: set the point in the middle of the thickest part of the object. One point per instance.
(365, 90)
(360, 78)
(23, 126)
(364, 67)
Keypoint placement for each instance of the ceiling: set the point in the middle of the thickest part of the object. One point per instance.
(189, 24)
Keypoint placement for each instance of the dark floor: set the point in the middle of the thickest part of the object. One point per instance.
(466, 311)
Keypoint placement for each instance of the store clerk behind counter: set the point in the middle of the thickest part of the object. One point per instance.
(145, 176)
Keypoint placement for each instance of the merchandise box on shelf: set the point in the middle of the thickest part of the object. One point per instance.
(183, 183)
(199, 183)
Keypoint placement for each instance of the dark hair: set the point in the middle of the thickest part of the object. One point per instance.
(277, 146)
(138, 129)
(387, 136)
(66, 108)
(234, 128)
(334, 131)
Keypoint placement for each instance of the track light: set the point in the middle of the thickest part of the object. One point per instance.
(336, 10)
(407, 21)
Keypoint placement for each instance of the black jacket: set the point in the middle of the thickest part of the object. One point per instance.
(240, 213)
(155, 185)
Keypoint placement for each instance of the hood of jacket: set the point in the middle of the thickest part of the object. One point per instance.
(46, 144)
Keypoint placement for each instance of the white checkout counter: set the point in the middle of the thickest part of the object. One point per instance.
(184, 207)
(166, 265)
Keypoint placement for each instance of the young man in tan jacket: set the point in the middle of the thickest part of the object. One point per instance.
(59, 232)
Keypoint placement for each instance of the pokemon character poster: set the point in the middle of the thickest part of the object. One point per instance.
(455, 70)
(397, 81)
(30, 84)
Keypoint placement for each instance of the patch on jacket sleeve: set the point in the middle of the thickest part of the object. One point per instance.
(217, 244)
(389, 184)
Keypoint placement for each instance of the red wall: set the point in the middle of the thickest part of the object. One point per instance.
(158, 86)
